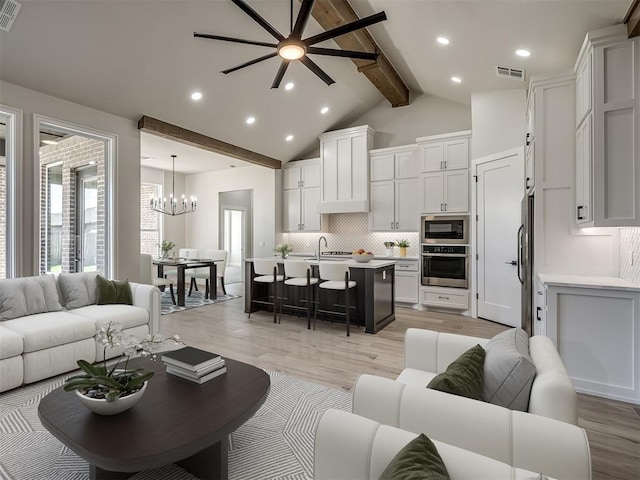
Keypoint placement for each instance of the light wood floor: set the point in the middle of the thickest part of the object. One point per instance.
(328, 356)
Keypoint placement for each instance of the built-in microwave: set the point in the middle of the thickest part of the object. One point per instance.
(444, 229)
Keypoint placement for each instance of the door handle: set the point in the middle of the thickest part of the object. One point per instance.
(520, 248)
(538, 314)
(580, 217)
(512, 262)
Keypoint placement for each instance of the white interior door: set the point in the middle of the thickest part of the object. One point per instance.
(499, 195)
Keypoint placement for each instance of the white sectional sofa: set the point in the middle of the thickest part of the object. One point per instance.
(351, 447)
(48, 323)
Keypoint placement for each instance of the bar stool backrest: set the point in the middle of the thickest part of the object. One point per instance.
(333, 270)
(296, 268)
(264, 266)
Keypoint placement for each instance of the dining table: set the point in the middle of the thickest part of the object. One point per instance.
(181, 265)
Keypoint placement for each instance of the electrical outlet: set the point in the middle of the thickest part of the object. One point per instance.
(263, 244)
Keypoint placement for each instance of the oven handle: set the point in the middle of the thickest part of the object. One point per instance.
(459, 255)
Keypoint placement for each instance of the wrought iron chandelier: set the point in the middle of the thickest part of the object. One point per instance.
(172, 207)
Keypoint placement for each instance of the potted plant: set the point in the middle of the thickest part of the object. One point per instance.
(165, 247)
(284, 249)
(108, 389)
(403, 244)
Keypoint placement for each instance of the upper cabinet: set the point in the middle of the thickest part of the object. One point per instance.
(344, 170)
(444, 179)
(394, 189)
(300, 196)
(607, 133)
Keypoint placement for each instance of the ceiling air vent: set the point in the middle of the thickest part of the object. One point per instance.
(510, 73)
(8, 12)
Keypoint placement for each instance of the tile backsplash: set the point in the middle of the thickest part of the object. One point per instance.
(348, 232)
(630, 254)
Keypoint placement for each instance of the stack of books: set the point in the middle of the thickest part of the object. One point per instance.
(194, 364)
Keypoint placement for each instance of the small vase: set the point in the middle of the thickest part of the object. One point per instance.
(284, 255)
(119, 405)
(403, 251)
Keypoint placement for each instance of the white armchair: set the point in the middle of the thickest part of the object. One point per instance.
(349, 446)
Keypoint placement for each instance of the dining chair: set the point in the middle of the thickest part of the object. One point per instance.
(336, 276)
(266, 271)
(147, 275)
(221, 266)
(297, 273)
(188, 253)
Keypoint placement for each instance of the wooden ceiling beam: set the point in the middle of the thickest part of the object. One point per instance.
(333, 13)
(194, 139)
(632, 19)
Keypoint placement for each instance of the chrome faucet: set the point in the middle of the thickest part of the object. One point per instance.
(325, 244)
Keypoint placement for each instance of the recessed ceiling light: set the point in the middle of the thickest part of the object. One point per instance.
(49, 142)
(324, 110)
(196, 96)
(288, 138)
(443, 41)
(456, 79)
(250, 120)
(289, 86)
(523, 53)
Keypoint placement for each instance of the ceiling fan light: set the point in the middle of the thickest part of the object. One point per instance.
(291, 51)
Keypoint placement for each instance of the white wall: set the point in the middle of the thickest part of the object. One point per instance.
(202, 226)
(127, 181)
(498, 121)
(426, 115)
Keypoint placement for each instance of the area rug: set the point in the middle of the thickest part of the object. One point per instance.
(276, 443)
(195, 300)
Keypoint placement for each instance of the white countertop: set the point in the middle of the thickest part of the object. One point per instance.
(587, 281)
(352, 263)
(347, 257)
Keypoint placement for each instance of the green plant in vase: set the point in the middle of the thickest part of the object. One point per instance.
(165, 247)
(284, 249)
(403, 244)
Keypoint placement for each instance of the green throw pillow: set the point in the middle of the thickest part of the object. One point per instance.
(464, 376)
(419, 459)
(113, 291)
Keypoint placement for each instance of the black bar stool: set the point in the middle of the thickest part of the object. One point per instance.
(297, 273)
(336, 275)
(267, 272)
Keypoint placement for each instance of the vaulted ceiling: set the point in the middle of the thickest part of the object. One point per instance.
(133, 58)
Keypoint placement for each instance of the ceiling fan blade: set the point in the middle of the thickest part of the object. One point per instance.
(348, 28)
(342, 53)
(303, 18)
(261, 21)
(251, 62)
(235, 40)
(317, 70)
(280, 74)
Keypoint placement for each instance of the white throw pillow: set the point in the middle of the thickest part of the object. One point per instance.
(78, 289)
(27, 296)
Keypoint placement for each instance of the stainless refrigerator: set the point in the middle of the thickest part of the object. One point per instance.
(525, 262)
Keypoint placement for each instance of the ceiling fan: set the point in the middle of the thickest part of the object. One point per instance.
(294, 47)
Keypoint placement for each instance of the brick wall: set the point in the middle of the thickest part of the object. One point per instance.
(73, 152)
(149, 220)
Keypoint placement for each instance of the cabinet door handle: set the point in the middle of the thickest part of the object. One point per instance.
(528, 139)
(580, 216)
(441, 207)
(396, 225)
(526, 183)
(445, 164)
(302, 183)
(391, 225)
(441, 165)
(445, 206)
(302, 226)
(538, 314)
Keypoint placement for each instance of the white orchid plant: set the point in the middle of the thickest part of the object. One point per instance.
(109, 381)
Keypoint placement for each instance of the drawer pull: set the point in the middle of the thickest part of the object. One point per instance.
(443, 298)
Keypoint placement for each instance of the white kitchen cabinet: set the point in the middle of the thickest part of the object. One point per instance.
(300, 196)
(608, 113)
(344, 170)
(596, 329)
(445, 192)
(444, 152)
(407, 281)
(540, 315)
(443, 297)
(394, 189)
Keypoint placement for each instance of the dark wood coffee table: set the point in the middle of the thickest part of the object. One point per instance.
(176, 421)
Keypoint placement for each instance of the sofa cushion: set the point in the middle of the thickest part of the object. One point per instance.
(77, 289)
(419, 459)
(127, 315)
(463, 376)
(508, 370)
(113, 291)
(11, 343)
(28, 296)
(46, 330)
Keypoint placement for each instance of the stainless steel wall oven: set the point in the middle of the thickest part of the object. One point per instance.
(445, 266)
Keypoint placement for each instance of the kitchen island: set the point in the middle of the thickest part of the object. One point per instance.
(373, 296)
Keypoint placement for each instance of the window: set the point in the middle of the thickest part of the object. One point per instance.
(10, 143)
(150, 223)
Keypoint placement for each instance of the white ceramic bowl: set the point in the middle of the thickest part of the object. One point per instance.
(362, 257)
(102, 407)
